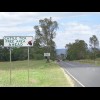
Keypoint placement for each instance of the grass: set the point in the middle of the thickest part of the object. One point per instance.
(96, 62)
(41, 74)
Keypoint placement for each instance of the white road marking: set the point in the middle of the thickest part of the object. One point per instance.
(68, 77)
(75, 79)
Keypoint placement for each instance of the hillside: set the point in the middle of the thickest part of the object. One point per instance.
(61, 51)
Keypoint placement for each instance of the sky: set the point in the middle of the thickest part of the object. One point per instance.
(72, 25)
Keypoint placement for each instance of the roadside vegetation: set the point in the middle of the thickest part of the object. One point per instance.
(96, 62)
(41, 74)
(81, 52)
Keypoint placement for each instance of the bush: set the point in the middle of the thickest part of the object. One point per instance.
(38, 56)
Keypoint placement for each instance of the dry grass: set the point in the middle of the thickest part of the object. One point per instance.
(41, 74)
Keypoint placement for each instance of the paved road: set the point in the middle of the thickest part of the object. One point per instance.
(85, 75)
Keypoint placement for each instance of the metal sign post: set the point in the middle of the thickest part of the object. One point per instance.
(47, 55)
(10, 65)
(18, 41)
(28, 64)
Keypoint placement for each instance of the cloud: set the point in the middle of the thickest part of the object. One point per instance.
(73, 31)
(15, 18)
(16, 31)
(12, 19)
(22, 23)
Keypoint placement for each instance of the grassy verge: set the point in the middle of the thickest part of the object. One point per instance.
(96, 62)
(41, 74)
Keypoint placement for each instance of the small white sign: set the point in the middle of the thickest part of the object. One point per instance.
(18, 41)
(46, 54)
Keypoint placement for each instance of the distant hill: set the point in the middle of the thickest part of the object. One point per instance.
(61, 51)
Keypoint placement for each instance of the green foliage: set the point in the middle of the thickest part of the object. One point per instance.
(43, 43)
(91, 56)
(41, 74)
(77, 50)
(62, 56)
(19, 54)
(4, 52)
(94, 44)
(98, 54)
(38, 56)
(45, 33)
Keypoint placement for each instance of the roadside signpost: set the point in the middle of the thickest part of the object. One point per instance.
(18, 41)
(47, 55)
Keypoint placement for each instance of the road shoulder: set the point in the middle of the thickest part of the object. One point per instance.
(71, 82)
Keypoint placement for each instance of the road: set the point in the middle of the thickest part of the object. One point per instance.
(84, 75)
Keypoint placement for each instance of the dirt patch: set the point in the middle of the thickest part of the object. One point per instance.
(33, 81)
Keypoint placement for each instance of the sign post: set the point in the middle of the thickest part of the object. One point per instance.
(18, 41)
(47, 55)
(10, 65)
(28, 65)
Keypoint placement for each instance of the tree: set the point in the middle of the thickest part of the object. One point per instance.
(77, 50)
(45, 33)
(4, 51)
(19, 53)
(1, 49)
(94, 43)
(16, 54)
(36, 52)
(62, 56)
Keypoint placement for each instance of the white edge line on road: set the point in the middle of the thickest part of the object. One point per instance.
(75, 79)
(68, 77)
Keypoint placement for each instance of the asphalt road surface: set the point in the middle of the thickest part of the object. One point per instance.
(84, 75)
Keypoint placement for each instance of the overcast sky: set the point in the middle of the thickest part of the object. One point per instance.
(72, 25)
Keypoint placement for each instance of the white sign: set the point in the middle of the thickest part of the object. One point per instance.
(46, 54)
(18, 41)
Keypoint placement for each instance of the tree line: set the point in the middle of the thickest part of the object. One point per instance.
(45, 32)
(80, 50)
